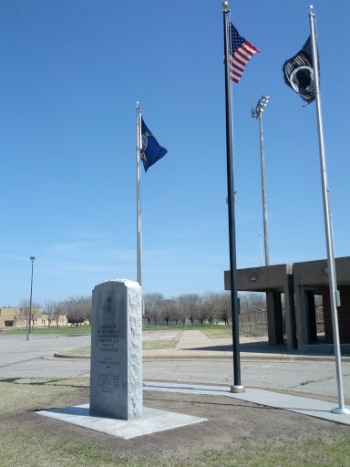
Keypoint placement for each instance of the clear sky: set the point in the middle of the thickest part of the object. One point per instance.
(71, 73)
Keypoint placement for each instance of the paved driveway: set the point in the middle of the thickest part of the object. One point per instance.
(35, 358)
(21, 358)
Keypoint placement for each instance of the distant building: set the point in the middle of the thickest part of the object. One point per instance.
(18, 317)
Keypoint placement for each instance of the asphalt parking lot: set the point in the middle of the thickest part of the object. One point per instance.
(198, 365)
(194, 362)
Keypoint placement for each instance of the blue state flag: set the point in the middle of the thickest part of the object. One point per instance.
(151, 150)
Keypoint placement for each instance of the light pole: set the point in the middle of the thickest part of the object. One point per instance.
(257, 113)
(29, 336)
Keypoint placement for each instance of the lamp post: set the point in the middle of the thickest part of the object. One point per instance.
(29, 336)
(257, 113)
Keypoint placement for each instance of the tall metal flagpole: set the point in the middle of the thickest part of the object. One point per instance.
(138, 197)
(333, 292)
(237, 386)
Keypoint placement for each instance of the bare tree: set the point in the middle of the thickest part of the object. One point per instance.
(253, 317)
(78, 309)
(59, 311)
(224, 307)
(25, 311)
(168, 310)
(49, 308)
(211, 307)
(253, 302)
(153, 306)
(190, 304)
(180, 311)
(204, 309)
(54, 310)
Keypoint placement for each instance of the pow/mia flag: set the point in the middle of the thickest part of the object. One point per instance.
(299, 73)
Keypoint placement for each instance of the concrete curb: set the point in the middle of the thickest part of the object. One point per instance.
(71, 357)
(244, 357)
(194, 345)
(251, 357)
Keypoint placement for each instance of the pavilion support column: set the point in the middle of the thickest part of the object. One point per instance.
(301, 314)
(292, 342)
(274, 317)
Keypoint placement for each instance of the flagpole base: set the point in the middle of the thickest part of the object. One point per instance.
(236, 389)
(340, 411)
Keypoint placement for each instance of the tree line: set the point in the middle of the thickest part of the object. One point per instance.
(190, 308)
(186, 308)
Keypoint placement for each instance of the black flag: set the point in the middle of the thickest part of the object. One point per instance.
(299, 73)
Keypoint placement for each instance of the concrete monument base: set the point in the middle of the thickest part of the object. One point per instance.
(152, 421)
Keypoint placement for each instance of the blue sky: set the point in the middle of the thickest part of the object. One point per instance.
(71, 74)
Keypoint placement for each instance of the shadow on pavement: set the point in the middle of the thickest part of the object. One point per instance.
(316, 349)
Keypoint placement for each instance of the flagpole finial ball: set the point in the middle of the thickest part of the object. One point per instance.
(225, 5)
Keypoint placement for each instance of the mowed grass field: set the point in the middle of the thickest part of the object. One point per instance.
(212, 331)
(235, 433)
(30, 440)
(209, 329)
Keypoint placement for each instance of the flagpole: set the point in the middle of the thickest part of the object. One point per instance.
(333, 292)
(237, 386)
(138, 194)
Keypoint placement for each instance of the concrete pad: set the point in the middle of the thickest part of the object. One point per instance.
(311, 407)
(152, 421)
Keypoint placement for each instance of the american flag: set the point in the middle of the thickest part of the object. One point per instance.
(241, 51)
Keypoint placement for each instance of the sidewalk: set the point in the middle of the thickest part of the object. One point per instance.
(196, 345)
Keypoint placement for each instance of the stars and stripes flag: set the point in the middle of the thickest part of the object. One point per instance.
(241, 51)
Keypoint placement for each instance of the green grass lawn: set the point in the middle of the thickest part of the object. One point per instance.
(214, 330)
(24, 443)
(159, 344)
(181, 327)
(62, 330)
(217, 332)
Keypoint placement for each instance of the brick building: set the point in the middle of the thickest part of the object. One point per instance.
(16, 317)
